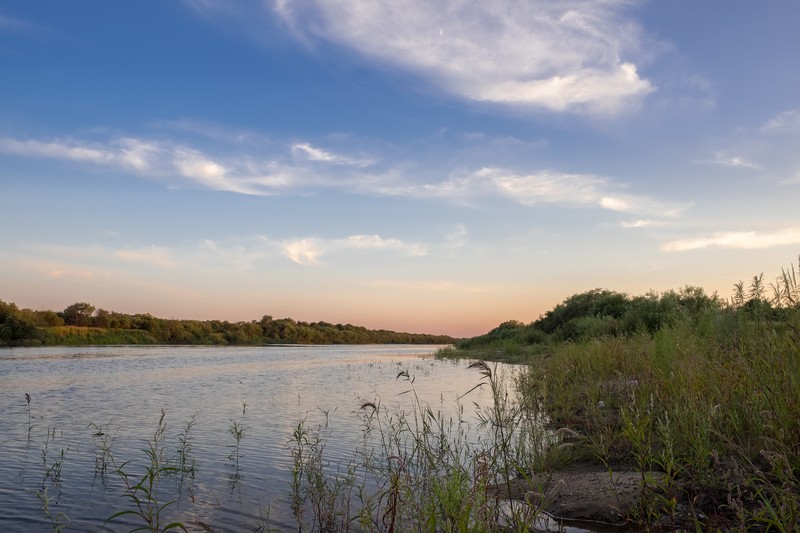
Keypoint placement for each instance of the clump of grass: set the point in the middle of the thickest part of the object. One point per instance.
(320, 499)
(237, 431)
(28, 402)
(103, 440)
(185, 460)
(52, 467)
(418, 470)
(144, 493)
(58, 521)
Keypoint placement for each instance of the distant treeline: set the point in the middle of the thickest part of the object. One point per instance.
(81, 323)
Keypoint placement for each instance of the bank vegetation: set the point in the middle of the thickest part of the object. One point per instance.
(83, 324)
(698, 394)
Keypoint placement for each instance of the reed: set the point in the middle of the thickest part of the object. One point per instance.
(58, 521)
(28, 402)
(237, 431)
(144, 494)
(103, 439)
(52, 466)
(185, 460)
(417, 470)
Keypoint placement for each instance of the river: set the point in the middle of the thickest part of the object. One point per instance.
(87, 399)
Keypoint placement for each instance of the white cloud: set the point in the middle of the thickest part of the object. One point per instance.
(376, 242)
(307, 251)
(317, 154)
(529, 189)
(749, 240)
(71, 150)
(545, 187)
(245, 174)
(304, 251)
(139, 155)
(561, 56)
(733, 161)
(542, 187)
(788, 121)
(638, 223)
(192, 164)
(166, 161)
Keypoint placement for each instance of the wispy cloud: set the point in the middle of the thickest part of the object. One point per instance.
(57, 149)
(732, 161)
(641, 223)
(542, 187)
(749, 240)
(792, 180)
(165, 160)
(297, 170)
(309, 250)
(561, 56)
(307, 151)
(15, 24)
(787, 121)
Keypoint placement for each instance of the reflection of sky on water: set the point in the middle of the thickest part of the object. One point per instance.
(125, 389)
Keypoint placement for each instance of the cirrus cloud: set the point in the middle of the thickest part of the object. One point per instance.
(559, 56)
(748, 240)
(308, 250)
(296, 170)
(787, 121)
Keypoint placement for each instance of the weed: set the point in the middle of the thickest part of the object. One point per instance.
(52, 470)
(58, 521)
(144, 494)
(237, 430)
(185, 460)
(103, 440)
(30, 426)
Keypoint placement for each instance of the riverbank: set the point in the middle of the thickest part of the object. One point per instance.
(704, 412)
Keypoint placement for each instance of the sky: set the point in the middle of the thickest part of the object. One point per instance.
(435, 167)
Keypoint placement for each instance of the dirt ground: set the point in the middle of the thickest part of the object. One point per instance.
(586, 494)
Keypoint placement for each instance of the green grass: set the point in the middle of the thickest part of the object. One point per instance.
(712, 400)
(81, 336)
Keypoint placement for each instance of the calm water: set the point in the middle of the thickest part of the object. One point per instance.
(124, 389)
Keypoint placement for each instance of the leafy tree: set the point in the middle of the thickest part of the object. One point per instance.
(15, 327)
(78, 314)
(102, 319)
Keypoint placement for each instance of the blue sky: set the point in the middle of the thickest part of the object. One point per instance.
(421, 166)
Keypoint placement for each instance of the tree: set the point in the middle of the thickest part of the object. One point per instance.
(15, 328)
(78, 314)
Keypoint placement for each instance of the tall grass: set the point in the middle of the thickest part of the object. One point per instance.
(417, 470)
(712, 401)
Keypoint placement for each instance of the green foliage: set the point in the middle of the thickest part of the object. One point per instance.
(16, 328)
(702, 391)
(78, 314)
(80, 324)
(420, 472)
(145, 496)
(593, 315)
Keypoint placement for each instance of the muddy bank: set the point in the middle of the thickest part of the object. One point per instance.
(584, 494)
